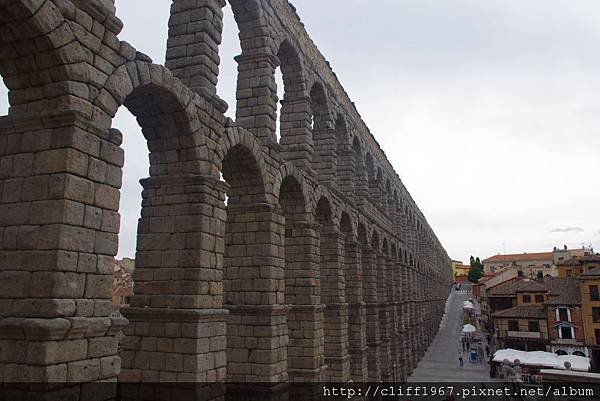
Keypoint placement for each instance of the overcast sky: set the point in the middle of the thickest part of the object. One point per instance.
(488, 110)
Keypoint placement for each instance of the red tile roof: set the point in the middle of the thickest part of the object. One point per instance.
(523, 311)
(520, 256)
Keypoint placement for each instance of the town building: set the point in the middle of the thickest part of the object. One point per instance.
(536, 265)
(460, 271)
(576, 265)
(590, 296)
(565, 318)
(539, 261)
(545, 315)
(523, 325)
(480, 289)
(563, 254)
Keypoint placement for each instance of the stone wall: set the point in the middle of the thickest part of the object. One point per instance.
(308, 261)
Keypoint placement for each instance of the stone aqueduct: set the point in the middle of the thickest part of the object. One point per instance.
(319, 266)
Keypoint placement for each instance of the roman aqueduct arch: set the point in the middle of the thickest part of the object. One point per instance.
(319, 267)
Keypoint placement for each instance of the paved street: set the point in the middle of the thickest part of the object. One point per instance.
(440, 363)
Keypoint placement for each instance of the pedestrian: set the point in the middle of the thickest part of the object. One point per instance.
(463, 345)
(487, 350)
(460, 359)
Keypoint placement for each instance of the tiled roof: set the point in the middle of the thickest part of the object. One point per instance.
(567, 289)
(532, 286)
(511, 287)
(523, 311)
(520, 256)
(591, 273)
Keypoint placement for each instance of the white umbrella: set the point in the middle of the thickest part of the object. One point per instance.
(468, 305)
(469, 328)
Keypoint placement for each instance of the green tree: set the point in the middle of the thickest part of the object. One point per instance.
(476, 270)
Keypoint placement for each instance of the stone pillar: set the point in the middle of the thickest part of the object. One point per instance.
(346, 172)
(195, 30)
(257, 95)
(396, 308)
(333, 296)
(421, 313)
(303, 295)
(357, 315)
(369, 265)
(404, 322)
(325, 150)
(361, 179)
(412, 320)
(257, 335)
(390, 314)
(376, 192)
(384, 321)
(296, 136)
(59, 225)
(177, 330)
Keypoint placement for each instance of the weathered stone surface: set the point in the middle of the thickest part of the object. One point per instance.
(311, 262)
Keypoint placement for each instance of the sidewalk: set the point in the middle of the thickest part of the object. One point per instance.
(440, 363)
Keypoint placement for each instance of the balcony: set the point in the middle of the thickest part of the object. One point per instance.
(524, 334)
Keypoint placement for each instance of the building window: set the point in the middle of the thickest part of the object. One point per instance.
(563, 315)
(513, 325)
(597, 332)
(569, 273)
(539, 299)
(594, 296)
(533, 325)
(566, 332)
(596, 315)
(540, 275)
(526, 299)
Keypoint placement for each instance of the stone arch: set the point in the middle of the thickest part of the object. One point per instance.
(195, 35)
(245, 176)
(241, 138)
(292, 69)
(253, 266)
(142, 85)
(37, 30)
(296, 112)
(289, 170)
